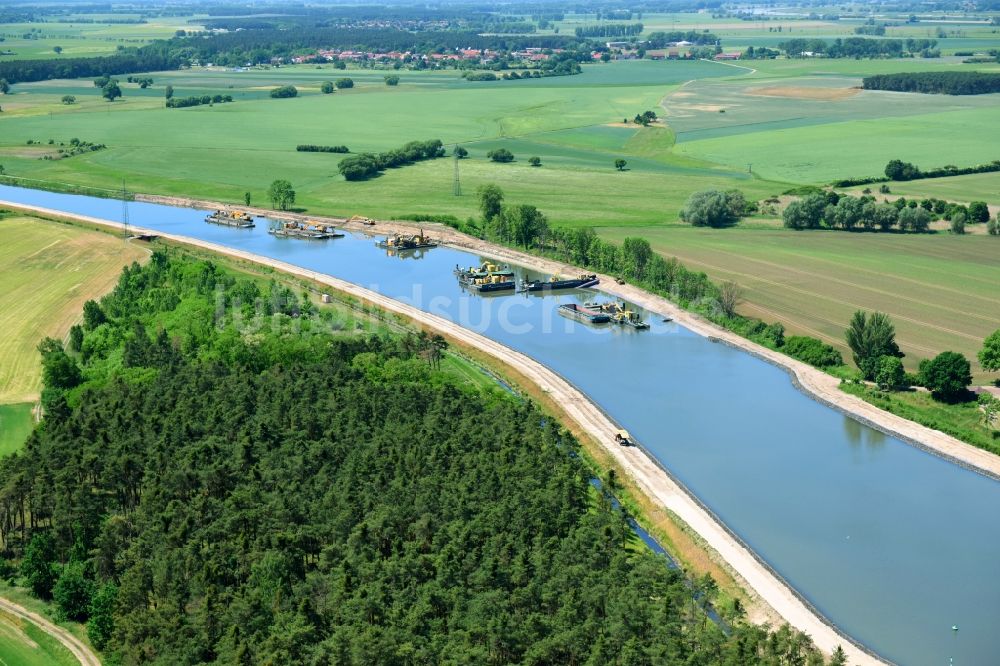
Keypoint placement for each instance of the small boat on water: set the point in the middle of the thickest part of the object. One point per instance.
(232, 218)
(557, 283)
(584, 314)
(400, 242)
(310, 230)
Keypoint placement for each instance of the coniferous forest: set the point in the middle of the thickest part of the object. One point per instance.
(227, 474)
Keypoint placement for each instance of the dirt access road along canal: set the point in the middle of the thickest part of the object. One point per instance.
(843, 512)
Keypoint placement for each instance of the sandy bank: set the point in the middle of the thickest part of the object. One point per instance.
(654, 480)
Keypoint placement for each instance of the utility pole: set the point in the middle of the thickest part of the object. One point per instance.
(457, 185)
(125, 233)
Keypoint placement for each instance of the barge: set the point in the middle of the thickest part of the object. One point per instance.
(485, 270)
(584, 314)
(234, 218)
(619, 314)
(490, 283)
(556, 283)
(309, 230)
(399, 242)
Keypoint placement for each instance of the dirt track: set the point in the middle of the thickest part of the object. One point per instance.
(68, 640)
(654, 481)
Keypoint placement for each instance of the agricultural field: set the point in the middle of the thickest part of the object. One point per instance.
(940, 290)
(47, 272)
(16, 422)
(36, 40)
(574, 125)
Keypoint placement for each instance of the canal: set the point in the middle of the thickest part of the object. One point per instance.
(891, 543)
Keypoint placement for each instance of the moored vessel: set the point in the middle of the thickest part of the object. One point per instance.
(231, 218)
(584, 314)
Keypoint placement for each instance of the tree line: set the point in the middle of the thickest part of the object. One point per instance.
(898, 170)
(183, 102)
(609, 30)
(859, 47)
(659, 40)
(198, 493)
(310, 148)
(945, 83)
(831, 210)
(144, 59)
(367, 165)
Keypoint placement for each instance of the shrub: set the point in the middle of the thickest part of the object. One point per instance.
(535, 161)
(500, 155)
(958, 224)
(392, 80)
(326, 87)
(979, 212)
(344, 83)
(812, 351)
(284, 92)
(460, 152)
(72, 593)
(714, 208)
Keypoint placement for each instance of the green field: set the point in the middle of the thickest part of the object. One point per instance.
(47, 271)
(940, 290)
(37, 39)
(224, 151)
(16, 423)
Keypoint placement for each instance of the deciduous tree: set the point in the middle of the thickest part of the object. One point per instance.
(947, 375)
(490, 201)
(989, 355)
(870, 338)
(281, 194)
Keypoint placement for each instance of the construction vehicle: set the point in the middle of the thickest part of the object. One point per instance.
(486, 269)
(234, 218)
(619, 314)
(400, 242)
(362, 220)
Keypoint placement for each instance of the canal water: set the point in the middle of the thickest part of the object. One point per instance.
(891, 543)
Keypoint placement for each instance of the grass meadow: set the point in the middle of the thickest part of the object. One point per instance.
(16, 422)
(940, 290)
